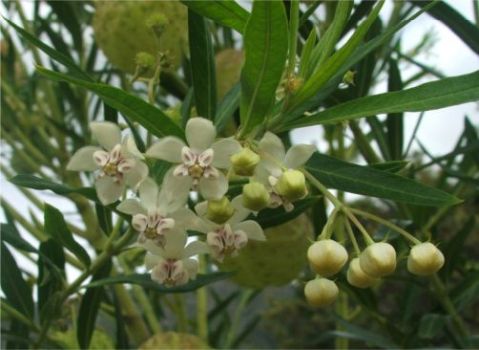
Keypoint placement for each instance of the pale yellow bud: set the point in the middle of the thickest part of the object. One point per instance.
(292, 185)
(255, 196)
(357, 277)
(219, 211)
(425, 259)
(244, 162)
(321, 292)
(327, 257)
(378, 260)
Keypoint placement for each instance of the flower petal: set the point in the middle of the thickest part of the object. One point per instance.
(200, 133)
(175, 245)
(136, 175)
(107, 190)
(131, 206)
(83, 160)
(130, 148)
(169, 201)
(168, 148)
(201, 208)
(223, 150)
(252, 229)
(213, 188)
(107, 134)
(149, 193)
(151, 260)
(185, 219)
(271, 146)
(176, 185)
(241, 212)
(191, 265)
(297, 155)
(195, 248)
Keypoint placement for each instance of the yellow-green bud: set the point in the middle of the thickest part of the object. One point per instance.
(425, 259)
(244, 162)
(292, 185)
(378, 260)
(327, 257)
(357, 277)
(219, 211)
(144, 61)
(157, 22)
(255, 196)
(321, 292)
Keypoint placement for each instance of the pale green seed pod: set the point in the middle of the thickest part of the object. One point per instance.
(321, 292)
(219, 211)
(378, 259)
(255, 196)
(244, 162)
(357, 277)
(327, 257)
(292, 185)
(425, 259)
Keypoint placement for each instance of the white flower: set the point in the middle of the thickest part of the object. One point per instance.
(115, 161)
(199, 161)
(228, 238)
(276, 170)
(172, 265)
(156, 213)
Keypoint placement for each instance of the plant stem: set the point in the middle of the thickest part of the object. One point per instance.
(202, 305)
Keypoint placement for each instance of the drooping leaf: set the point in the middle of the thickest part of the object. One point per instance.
(348, 177)
(394, 121)
(56, 228)
(227, 107)
(266, 46)
(224, 12)
(202, 65)
(150, 117)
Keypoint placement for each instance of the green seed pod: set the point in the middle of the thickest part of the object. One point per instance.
(327, 257)
(425, 259)
(378, 259)
(255, 196)
(357, 277)
(321, 292)
(173, 340)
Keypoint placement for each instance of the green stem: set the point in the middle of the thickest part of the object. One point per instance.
(293, 40)
(202, 305)
(245, 296)
(182, 317)
(19, 316)
(352, 237)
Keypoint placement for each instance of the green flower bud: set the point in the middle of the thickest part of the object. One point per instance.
(292, 185)
(378, 260)
(327, 257)
(144, 61)
(321, 292)
(219, 211)
(157, 22)
(255, 196)
(425, 259)
(244, 162)
(357, 277)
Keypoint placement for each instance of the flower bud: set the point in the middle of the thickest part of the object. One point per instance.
(425, 259)
(145, 63)
(327, 257)
(157, 23)
(219, 211)
(244, 162)
(292, 185)
(378, 260)
(321, 292)
(357, 277)
(255, 196)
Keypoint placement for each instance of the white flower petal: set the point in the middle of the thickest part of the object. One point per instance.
(149, 193)
(241, 212)
(224, 149)
(151, 260)
(185, 219)
(107, 190)
(176, 185)
(213, 188)
(131, 206)
(195, 248)
(200, 133)
(297, 155)
(83, 160)
(201, 208)
(175, 245)
(271, 146)
(252, 229)
(107, 134)
(136, 175)
(168, 148)
(205, 158)
(261, 174)
(169, 201)
(191, 267)
(130, 148)
(139, 222)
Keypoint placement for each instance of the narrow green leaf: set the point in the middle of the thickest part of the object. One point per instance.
(433, 95)
(68, 17)
(392, 166)
(121, 334)
(150, 117)
(103, 215)
(266, 47)
(453, 251)
(394, 121)
(430, 325)
(202, 65)
(335, 173)
(224, 12)
(274, 217)
(56, 227)
(227, 107)
(306, 53)
(145, 281)
(89, 307)
(11, 235)
(14, 287)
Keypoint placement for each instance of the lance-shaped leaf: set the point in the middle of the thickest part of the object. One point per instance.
(56, 228)
(348, 177)
(150, 117)
(433, 95)
(266, 46)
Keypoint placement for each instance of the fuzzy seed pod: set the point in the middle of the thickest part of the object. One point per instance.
(357, 277)
(425, 259)
(292, 185)
(378, 260)
(255, 196)
(321, 292)
(327, 257)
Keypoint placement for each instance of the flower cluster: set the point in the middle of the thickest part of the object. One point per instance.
(205, 165)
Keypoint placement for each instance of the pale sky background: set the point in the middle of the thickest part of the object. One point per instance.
(438, 132)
